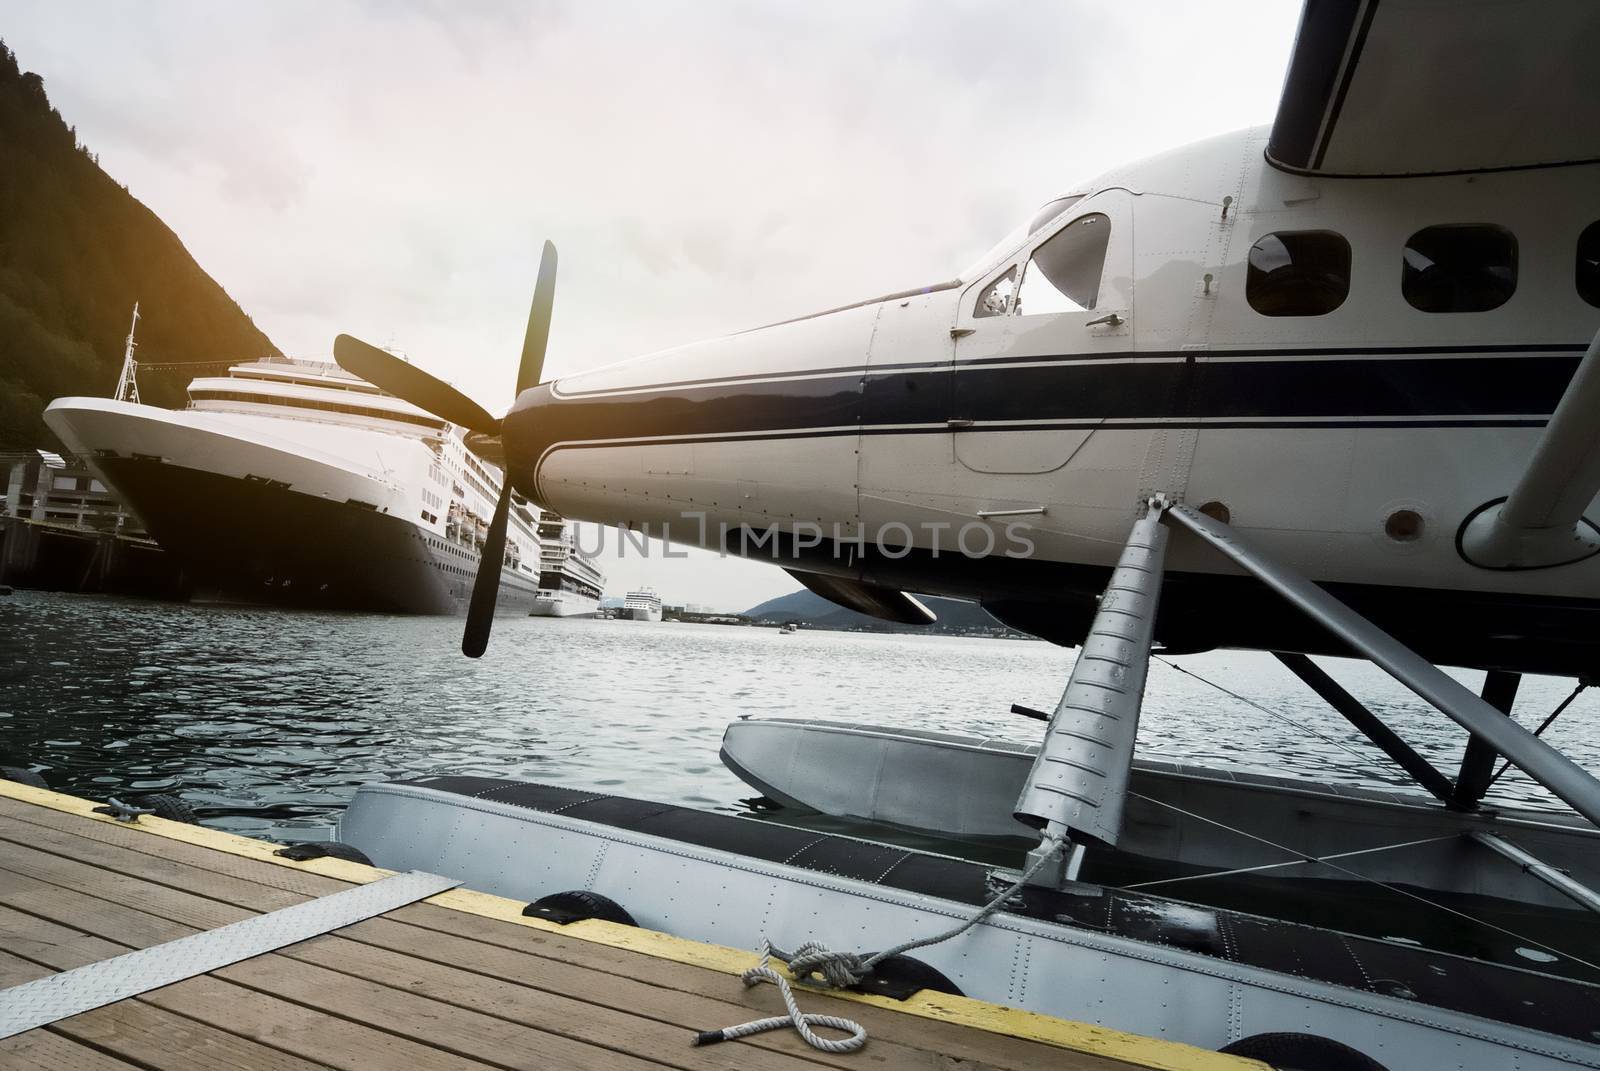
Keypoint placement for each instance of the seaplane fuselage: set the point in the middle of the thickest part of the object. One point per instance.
(1347, 369)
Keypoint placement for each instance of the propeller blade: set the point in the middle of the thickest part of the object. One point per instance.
(488, 447)
(486, 587)
(407, 381)
(531, 370)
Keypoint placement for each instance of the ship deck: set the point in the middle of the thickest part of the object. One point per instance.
(460, 980)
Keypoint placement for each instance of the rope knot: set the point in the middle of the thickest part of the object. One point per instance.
(838, 970)
(841, 970)
(810, 957)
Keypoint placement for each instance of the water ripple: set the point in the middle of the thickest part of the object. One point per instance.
(267, 721)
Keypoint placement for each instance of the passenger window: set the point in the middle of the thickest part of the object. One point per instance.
(1589, 264)
(1298, 273)
(1064, 273)
(1467, 267)
(996, 297)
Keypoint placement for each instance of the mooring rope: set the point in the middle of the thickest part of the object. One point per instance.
(814, 961)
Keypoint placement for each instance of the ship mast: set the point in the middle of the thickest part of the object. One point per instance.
(127, 385)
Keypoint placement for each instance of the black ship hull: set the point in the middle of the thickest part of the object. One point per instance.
(260, 542)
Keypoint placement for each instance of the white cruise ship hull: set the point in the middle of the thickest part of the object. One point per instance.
(638, 613)
(260, 519)
(563, 604)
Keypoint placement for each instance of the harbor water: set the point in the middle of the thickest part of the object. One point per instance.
(266, 721)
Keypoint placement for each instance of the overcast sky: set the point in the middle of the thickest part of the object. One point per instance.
(391, 169)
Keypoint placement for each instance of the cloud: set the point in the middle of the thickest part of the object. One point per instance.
(392, 169)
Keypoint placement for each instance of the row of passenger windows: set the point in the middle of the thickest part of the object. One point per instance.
(1460, 267)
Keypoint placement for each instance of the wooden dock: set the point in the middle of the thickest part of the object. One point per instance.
(458, 981)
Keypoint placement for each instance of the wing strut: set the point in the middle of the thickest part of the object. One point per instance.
(1541, 523)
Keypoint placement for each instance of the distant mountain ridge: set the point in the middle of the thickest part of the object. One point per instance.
(809, 608)
(76, 251)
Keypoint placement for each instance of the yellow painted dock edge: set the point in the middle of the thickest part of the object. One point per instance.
(1153, 1053)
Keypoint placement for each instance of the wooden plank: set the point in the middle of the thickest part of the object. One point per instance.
(678, 1012)
(665, 1041)
(40, 1050)
(970, 1015)
(667, 992)
(951, 1040)
(272, 1022)
(730, 1003)
(288, 876)
(449, 1027)
(393, 1004)
(163, 869)
(140, 1032)
(599, 1006)
(569, 1017)
(205, 837)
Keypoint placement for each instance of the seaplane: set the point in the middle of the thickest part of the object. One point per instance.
(1326, 387)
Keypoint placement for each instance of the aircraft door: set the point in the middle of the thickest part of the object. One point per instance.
(904, 460)
(1023, 398)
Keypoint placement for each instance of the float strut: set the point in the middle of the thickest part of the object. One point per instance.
(1080, 777)
(1477, 765)
(1532, 865)
(1332, 693)
(1549, 767)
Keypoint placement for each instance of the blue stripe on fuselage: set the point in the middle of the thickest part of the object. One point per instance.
(1472, 385)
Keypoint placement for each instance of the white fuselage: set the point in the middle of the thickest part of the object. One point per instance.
(915, 415)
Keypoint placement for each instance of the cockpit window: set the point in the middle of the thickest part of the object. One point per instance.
(1050, 212)
(996, 297)
(1064, 273)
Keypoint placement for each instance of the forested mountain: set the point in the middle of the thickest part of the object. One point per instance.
(76, 251)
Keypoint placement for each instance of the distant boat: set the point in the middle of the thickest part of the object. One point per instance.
(788, 627)
(294, 482)
(640, 606)
(569, 583)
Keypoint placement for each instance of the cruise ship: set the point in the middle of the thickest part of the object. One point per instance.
(640, 606)
(569, 583)
(290, 481)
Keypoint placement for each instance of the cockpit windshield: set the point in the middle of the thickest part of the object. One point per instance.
(1010, 242)
(1050, 211)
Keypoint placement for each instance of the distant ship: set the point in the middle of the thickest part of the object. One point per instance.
(569, 583)
(293, 482)
(640, 606)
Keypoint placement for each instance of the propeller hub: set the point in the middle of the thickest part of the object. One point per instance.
(526, 434)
